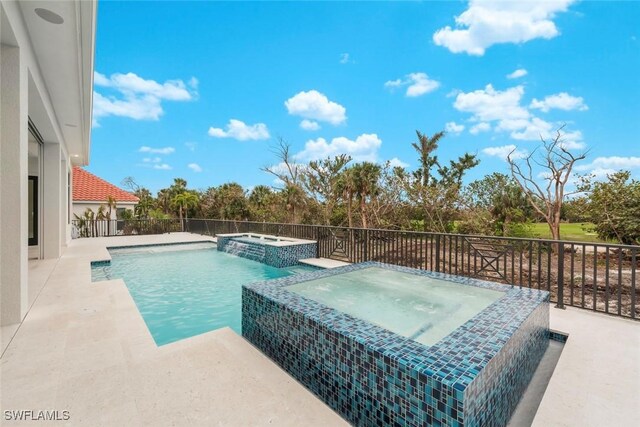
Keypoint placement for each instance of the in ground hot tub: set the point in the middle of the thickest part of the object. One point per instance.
(275, 251)
(384, 344)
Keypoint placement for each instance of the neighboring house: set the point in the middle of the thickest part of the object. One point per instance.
(46, 97)
(90, 191)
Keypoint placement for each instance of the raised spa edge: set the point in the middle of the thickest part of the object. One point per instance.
(371, 376)
(275, 251)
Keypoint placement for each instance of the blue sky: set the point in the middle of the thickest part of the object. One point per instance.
(202, 90)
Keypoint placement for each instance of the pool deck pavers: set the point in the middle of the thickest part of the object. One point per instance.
(83, 347)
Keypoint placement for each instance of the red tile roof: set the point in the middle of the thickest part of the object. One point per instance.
(88, 187)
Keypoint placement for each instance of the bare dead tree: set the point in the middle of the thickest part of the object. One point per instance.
(291, 174)
(287, 170)
(130, 184)
(556, 165)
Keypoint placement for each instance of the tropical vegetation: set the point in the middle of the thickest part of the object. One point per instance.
(339, 191)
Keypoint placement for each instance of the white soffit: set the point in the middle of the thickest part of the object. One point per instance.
(65, 55)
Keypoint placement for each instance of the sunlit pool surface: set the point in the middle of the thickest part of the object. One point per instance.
(186, 290)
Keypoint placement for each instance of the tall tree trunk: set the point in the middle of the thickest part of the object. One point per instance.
(349, 212)
(555, 231)
(554, 224)
(363, 212)
(425, 222)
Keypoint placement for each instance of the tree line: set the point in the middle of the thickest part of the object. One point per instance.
(339, 191)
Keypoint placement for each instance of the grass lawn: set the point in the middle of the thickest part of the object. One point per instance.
(568, 231)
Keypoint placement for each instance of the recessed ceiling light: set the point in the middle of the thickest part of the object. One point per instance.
(75, 155)
(49, 16)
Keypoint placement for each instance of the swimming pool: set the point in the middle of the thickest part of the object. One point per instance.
(187, 289)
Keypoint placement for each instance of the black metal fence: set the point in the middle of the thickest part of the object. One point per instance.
(115, 227)
(595, 276)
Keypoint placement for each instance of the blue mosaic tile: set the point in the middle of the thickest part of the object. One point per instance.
(275, 256)
(371, 376)
(558, 336)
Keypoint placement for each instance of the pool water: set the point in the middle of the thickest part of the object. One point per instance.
(417, 307)
(186, 290)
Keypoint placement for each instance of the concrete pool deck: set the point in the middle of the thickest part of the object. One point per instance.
(83, 347)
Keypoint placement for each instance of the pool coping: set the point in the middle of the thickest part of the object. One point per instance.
(456, 360)
(107, 260)
(285, 241)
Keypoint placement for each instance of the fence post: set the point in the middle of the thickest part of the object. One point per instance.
(317, 230)
(560, 303)
(366, 245)
(437, 253)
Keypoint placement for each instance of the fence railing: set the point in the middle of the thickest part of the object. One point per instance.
(596, 276)
(600, 277)
(115, 227)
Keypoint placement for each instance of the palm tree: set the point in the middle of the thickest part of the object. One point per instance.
(294, 197)
(99, 216)
(366, 178)
(183, 202)
(346, 186)
(259, 200)
(144, 206)
(81, 225)
(111, 204)
(164, 200)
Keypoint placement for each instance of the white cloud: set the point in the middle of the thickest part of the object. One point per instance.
(137, 98)
(480, 127)
(417, 84)
(309, 125)
(152, 160)
(172, 90)
(503, 151)
(559, 101)
(489, 22)
(612, 163)
(100, 79)
(529, 130)
(239, 130)
(520, 72)
(453, 127)
(194, 167)
(344, 58)
(162, 166)
(572, 141)
(453, 92)
(314, 105)
(504, 109)
(489, 104)
(191, 146)
(364, 148)
(163, 150)
(394, 83)
(137, 108)
(396, 162)
(600, 174)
